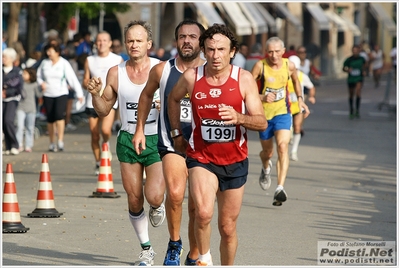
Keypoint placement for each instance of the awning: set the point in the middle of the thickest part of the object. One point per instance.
(235, 17)
(207, 14)
(352, 26)
(267, 17)
(288, 15)
(380, 14)
(337, 20)
(251, 12)
(318, 14)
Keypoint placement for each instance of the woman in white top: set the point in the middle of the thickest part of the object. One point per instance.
(377, 61)
(54, 75)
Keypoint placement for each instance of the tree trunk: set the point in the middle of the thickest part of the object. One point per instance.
(34, 33)
(13, 23)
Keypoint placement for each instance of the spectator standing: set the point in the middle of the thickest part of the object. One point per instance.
(53, 76)
(11, 95)
(228, 103)
(26, 111)
(241, 56)
(69, 53)
(4, 39)
(97, 65)
(83, 49)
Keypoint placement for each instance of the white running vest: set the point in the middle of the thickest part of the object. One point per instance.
(98, 67)
(128, 98)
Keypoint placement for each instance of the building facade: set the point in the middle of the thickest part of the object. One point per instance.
(328, 30)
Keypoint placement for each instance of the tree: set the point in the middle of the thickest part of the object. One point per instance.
(57, 16)
(34, 34)
(13, 22)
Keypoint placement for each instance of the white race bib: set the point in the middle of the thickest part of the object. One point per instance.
(280, 93)
(185, 110)
(355, 72)
(132, 110)
(213, 130)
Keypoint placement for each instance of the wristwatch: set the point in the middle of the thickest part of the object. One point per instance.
(175, 133)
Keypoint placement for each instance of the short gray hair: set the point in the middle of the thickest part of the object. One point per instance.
(144, 24)
(274, 39)
(11, 53)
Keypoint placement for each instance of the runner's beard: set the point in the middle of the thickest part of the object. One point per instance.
(188, 56)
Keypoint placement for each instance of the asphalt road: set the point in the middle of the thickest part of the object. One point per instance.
(343, 188)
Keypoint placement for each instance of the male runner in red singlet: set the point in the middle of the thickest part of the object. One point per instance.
(225, 103)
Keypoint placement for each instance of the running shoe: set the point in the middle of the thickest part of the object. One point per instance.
(157, 215)
(280, 196)
(189, 261)
(61, 146)
(146, 257)
(265, 180)
(14, 151)
(172, 257)
(52, 148)
(294, 156)
(70, 127)
(202, 263)
(97, 170)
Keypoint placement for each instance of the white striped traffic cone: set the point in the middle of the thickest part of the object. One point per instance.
(11, 215)
(45, 206)
(105, 185)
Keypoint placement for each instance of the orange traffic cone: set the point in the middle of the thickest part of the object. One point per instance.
(105, 185)
(45, 199)
(11, 216)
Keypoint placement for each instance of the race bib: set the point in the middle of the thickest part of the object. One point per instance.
(280, 93)
(185, 110)
(355, 72)
(213, 130)
(132, 110)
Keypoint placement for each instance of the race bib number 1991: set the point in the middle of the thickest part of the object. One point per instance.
(213, 130)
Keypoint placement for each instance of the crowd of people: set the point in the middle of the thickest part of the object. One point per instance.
(184, 119)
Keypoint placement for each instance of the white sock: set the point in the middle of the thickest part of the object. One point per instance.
(207, 258)
(267, 170)
(295, 143)
(279, 187)
(140, 225)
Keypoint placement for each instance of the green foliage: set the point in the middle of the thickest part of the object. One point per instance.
(92, 9)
